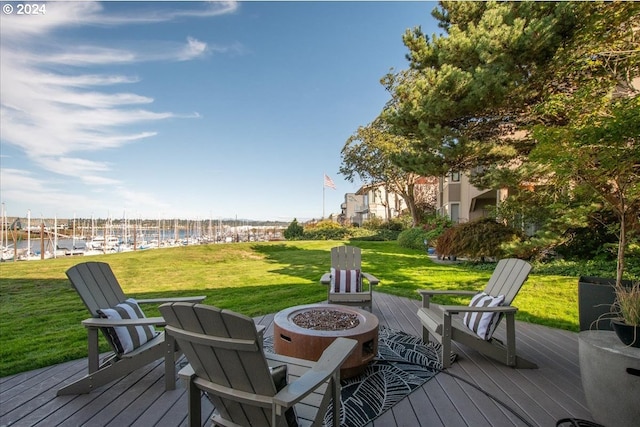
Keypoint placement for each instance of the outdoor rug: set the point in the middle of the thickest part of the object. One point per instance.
(404, 362)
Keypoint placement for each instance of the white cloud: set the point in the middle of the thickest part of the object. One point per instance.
(22, 187)
(90, 55)
(193, 49)
(73, 14)
(83, 170)
(55, 107)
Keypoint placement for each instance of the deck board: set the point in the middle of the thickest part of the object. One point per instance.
(542, 396)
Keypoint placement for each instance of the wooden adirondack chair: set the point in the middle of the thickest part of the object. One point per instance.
(346, 268)
(227, 362)
(99, 290)
(439, 320)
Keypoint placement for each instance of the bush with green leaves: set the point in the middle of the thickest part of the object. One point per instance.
(434, 226)
(412, 238)
(480, 239)
(326, 234)
(373, 235)
(373, 223)
(397, 224)
(294, 231)
(326, 230)
(393, 224)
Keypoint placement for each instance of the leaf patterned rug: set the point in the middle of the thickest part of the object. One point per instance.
(404, 362)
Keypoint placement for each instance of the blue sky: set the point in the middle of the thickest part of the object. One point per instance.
(191, 109)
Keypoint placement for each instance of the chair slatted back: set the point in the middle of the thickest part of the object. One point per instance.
(97, 285)
(223, 347)
(346, 257)
(507, 279)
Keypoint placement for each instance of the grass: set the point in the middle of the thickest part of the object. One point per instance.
(40, 313)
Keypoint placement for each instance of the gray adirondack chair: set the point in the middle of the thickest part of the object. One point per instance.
(349, 258)
(227, 362)
(99, 289)
(441, 322)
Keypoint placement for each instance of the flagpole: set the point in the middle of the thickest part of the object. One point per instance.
(323, 189)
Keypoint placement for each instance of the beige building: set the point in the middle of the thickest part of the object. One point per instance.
(371, 200)
(374, 201)
(351, 209)
(459, 200)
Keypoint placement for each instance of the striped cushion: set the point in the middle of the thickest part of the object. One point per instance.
(345, 281)
(127, 338)
(483, 324)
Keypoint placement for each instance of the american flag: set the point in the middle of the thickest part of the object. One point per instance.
(328, 182)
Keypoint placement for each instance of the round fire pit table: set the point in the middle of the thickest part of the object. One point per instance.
(305, 331)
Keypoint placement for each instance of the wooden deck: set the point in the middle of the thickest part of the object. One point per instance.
(541, 396)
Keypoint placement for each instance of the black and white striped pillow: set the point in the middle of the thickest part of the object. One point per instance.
(345, 281)
(127, 338)
(483, 324)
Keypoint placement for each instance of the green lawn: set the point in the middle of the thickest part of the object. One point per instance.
(40, 313)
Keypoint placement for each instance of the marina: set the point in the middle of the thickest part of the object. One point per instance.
(25, 239)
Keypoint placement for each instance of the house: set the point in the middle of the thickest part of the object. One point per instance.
(460, 201)
(376, 201)
(351, 209)
(371, 200)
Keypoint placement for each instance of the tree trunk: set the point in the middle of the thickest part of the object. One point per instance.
(622, 242)
(410, 200)
(387, 204)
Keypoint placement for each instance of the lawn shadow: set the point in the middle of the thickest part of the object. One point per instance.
(400, 268)
(307, 264)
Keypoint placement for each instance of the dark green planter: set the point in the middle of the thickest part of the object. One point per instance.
(596, 295)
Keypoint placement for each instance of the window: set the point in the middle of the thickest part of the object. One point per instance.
(455, 212)
(455, 176)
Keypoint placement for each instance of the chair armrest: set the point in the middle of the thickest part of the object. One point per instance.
(424, 292)
(186, 373)
(428, 293)
(371, 278)
(329, 364)
(326, 278)
(453, 309)
(105, 323)
(176, 299)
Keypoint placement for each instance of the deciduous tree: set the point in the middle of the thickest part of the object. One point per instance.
(368, 155)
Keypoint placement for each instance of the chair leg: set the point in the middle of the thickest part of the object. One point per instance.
(194, 398)
(446, 341)
(93, 349)
(425, 335)
(335, 384)
(169, 362)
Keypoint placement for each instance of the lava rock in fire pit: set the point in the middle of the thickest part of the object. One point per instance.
(326, 320)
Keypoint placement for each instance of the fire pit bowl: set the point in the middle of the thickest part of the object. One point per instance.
(290, 339)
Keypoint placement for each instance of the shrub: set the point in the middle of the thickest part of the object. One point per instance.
(373, 223)
(326, 230)
(434, 226)
(377, 223)
(374, 235)
(397, 224)
(412, 238)
(294, 231)
(446, 243)
(478, 239)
